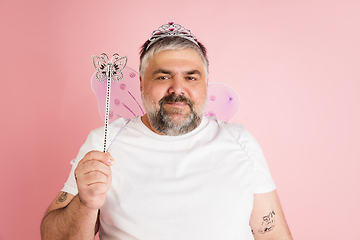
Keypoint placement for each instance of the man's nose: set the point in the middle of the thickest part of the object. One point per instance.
(177, 86)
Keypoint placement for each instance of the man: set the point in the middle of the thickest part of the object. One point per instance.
(172, 173)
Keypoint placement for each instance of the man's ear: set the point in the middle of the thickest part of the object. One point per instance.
(141, 83)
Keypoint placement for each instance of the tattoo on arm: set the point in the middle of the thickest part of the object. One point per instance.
(268, 223)
(61, 198)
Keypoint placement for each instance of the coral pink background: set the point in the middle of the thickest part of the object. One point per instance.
(295, 65)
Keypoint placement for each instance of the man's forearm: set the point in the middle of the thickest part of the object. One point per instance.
(71, 222)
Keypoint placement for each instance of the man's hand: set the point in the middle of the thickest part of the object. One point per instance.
(93, 178)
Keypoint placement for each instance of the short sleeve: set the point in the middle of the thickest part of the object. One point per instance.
(94, 141)
(263, 180)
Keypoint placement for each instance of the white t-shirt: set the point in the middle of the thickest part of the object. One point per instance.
(196, 186)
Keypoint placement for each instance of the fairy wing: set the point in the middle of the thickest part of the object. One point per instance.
(223, 102)
(125, 95)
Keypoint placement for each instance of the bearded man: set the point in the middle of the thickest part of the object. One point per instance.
(171, 173)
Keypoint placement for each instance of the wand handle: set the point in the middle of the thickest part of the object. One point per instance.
(108, 74)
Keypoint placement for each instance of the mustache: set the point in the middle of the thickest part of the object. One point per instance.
(172, 98)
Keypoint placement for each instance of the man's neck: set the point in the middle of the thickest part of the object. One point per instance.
(146, 121)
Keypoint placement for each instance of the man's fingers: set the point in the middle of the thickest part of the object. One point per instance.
(95, 161)
(95, 177)
(94, 168)
(94, 165)
(96, 189)
(105, 158)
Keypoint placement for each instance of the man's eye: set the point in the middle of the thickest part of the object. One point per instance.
(191, 78)
(162, 78)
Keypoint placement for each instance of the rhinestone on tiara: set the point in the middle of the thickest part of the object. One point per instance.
(171, 29)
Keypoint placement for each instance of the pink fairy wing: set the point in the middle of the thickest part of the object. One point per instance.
(223, 102)
(125, 96)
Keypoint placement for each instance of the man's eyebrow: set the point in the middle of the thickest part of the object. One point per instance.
(189, 72)
(161, 71)
(192, 72)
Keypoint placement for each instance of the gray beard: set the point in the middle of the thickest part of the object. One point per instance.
(161, 120)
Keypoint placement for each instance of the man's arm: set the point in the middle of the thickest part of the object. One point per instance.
(76, 217)
(267, 220)
(67, 218)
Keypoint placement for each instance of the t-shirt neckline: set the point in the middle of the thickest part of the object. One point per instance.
(152, 134)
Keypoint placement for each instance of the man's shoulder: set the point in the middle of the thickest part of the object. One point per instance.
(238, 131)
(121, 122)
(230, 127)
(113, 126)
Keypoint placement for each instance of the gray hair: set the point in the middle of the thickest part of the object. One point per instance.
(170, 43)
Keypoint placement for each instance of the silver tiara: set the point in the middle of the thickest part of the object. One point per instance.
(171, 29)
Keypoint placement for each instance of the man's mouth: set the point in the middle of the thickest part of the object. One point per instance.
(177, 104)
(175, 101)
